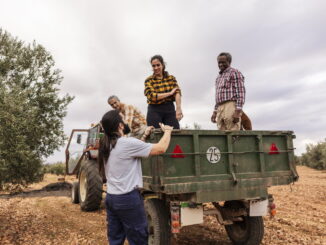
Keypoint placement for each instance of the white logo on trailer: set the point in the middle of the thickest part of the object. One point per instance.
(213, 154)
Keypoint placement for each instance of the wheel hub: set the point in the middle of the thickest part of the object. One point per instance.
(82, 186)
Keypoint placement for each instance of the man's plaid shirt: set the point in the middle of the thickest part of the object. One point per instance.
(229, 86)
(153, 86)
(133, 117)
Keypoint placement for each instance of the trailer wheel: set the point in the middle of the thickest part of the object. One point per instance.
(159, 230)
(90, 186)
(75, 192)
(249, 231)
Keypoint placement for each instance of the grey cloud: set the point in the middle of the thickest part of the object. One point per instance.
(104, 47)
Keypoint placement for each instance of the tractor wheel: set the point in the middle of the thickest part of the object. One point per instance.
(75, 193)
(90, 186)
(159, 230)
(249, 231)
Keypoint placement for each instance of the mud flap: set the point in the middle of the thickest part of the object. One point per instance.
(258, 208)
(192, 216)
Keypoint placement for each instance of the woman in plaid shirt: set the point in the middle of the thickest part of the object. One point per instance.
(161, 90)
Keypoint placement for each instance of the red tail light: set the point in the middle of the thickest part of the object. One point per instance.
(175, 218)
(272, 209)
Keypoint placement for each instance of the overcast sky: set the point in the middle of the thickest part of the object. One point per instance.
(104, 47)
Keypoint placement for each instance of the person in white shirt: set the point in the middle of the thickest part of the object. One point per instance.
(121, 157)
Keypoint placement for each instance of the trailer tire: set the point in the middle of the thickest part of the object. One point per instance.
(90, 186)
(249, 231)
(159, 230)
(75, 192)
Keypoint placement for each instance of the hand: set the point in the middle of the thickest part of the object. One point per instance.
(148, 130)
(179, 114)
(166, 128)
(236, 116)
(213, 118)
(173, 91)
(122, 116)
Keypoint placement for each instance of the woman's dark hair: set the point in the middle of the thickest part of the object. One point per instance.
(161, 60)
(110, 124)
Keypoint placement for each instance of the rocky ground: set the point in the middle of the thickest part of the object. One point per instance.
(46, 216)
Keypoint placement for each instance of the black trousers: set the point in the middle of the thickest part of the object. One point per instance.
(163, 113)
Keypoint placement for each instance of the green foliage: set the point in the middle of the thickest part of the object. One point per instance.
(297, 160)
(315, 157)
(58, 168)
(31, 110)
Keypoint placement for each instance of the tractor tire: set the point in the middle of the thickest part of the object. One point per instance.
(159, 230)
(90, 186)
(75, 192)
(249, 231)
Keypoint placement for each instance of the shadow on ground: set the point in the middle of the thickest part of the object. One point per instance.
(53, 189)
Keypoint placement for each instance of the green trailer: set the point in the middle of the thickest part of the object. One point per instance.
(232, 170)
(203, 172)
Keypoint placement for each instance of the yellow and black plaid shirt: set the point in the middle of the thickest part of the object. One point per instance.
(154, 86)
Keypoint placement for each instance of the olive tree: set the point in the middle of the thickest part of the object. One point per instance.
(31, 109)
(315, 157)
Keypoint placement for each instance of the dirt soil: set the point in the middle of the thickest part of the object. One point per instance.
(47, 216)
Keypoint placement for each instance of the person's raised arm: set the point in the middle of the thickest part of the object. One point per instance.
(163, 144)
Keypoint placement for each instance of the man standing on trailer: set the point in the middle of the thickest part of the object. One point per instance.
(230, 95)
